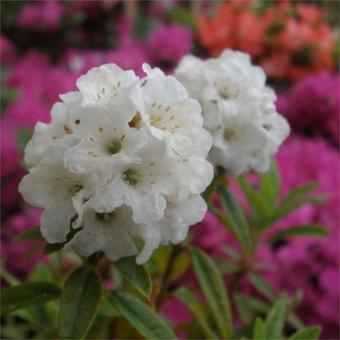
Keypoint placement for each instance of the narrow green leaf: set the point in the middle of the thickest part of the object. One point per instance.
(28, 294)
(275, 320)
(262, 286)
(285, 209)
(79, 302)
(299, 192)
(253, 304)
(301, 230)
(135, 274)
(214, 290)
(307, 333)
(259, 330)
(237, 220)
(195, 306)
(261, 208)
(141, 316)
(270, 184)
(31, 234)
(8, 277)
(243, 309)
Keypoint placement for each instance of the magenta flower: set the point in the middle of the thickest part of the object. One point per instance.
(312, 106)
(7, 51)
(20, 257)
(169, 43)
(41, 16)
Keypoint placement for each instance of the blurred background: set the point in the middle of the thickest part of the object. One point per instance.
(46, 45)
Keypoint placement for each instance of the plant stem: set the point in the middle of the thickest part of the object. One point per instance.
(94, 258)
(166, 276)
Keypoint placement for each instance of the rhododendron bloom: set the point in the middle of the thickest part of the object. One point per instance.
(123, 157)
(238, 110)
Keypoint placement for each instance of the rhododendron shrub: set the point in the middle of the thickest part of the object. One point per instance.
(150, 204)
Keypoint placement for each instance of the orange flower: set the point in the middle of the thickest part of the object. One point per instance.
(289, 40)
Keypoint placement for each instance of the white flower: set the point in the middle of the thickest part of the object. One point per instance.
(58, 192)
(104, 83)
(122, 158)
(238, 110)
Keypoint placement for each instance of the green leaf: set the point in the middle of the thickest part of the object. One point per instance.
(28, 294)
(53, 247)
(301, 230)
(214, 290)
(135, 274)
(8, 277)
(270, 184)
(259, 330)
(260, 207)
(307, 333)
(106, 308)
(23, 137)
(299, 192)
(31, 234)
(285, 209)
(275, 320)
(195, 306)
(79, 302)
(262, 286)
(141, 316)
(237, 220)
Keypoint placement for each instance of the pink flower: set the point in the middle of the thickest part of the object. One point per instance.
(20, 257)
(312, 106)
(7, 51)
(169, 43)
(41, 16)
(131, 54)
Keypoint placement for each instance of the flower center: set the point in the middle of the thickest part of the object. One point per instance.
(114, 146)
(230, 135)
(75, 188)
(135, 120)
(130, 176)
(104, 216)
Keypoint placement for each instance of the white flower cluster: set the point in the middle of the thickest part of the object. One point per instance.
(123, 157)
(238, 110)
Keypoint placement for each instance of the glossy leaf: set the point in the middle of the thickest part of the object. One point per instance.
(141, 316)
(307, 333)
(302, 230)
(79, 302)
(195, 307)
(214, 290)
(135, 274)
(236, 218)
(28, 294)
(275, 320)
(31, 234)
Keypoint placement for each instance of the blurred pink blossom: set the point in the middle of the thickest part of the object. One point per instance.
(20, 257)
(7, 51)
(312, 106)
(131, 54)
(168, 43)
(41, 15)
